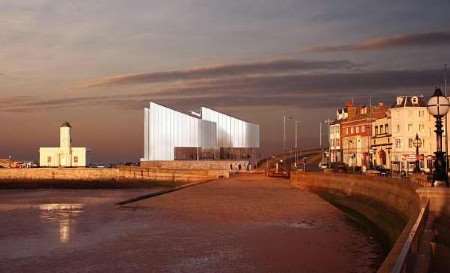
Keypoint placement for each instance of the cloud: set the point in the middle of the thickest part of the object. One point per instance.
(303, 90)
(407, 40)
(231, 70)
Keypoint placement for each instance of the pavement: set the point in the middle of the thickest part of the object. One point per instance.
(247, 223)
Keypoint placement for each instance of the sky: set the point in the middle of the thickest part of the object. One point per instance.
(97, 64)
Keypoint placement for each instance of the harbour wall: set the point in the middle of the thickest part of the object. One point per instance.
(111, 174)
(394, 206)
(229, 165)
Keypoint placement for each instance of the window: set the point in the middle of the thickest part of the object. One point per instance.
(386, 129)
(346, 130)
(75, 159)
(352, 130)
(357, 129)
(410, 127)
(376, 130)
(363, 129)
(398, 128)
(398, 143)
(410, 143)
(49, 159)
(421, 113)
(421, 127)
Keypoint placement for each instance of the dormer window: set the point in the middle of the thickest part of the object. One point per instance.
(415, 100)
(399, 100)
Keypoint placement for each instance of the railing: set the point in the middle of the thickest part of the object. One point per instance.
(408, 255)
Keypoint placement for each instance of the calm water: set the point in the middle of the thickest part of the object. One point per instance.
(232, 226)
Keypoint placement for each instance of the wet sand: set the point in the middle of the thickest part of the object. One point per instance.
(244, 224)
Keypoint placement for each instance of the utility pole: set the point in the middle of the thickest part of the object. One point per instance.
(296, 143)
(369, 137)
(445, 125)
(320, 141)
(284, 133)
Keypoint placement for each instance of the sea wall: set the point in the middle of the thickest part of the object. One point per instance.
(391, 205)
(108, 174)
(230, 165)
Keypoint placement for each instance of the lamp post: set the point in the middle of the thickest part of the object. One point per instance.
(285, 118)
(417, 144)
(284, 133)
(296, 143)
(438, 106)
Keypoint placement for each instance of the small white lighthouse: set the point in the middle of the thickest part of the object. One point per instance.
(65, 145)
(64, 135)
(65, 155)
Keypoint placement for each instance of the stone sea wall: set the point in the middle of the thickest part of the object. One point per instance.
(229, 165)
(392, 205)
(108, 174)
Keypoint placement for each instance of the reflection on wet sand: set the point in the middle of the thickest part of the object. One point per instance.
(62, 214)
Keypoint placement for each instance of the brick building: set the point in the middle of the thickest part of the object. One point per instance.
(356, 133)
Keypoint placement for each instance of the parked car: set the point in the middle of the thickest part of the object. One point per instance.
(339, 167)
(383, 171)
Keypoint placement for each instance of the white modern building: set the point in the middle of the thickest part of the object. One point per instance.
(172, 135)
(65, 155)
(232, 132)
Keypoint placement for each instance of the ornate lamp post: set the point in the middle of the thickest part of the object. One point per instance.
(417, 144)
(438, 106)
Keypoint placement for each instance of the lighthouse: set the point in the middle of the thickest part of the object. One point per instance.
(65, 144)
(65, 155)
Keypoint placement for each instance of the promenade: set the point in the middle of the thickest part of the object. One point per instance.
(242, 224)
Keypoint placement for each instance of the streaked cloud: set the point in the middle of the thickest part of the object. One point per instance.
(230, 70)
(406, 40)
(303, 90)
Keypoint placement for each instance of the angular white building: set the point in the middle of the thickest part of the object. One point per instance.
(166, 129)
(65, 155)
(232, 132)
(171, 135)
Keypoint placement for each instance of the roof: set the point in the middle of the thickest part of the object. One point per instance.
(409, 101)
(66, 124)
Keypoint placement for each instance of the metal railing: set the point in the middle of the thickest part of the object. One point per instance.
(407, 257)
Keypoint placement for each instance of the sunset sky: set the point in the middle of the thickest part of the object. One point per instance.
(97, 64)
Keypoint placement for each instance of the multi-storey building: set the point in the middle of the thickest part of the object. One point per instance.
(409, 117)
(335, 142)
(356, 132)
(384, 137)
(381, 145)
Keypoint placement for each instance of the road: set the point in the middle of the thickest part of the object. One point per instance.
(243, 224)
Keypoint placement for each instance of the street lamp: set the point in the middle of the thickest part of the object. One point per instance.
(438, 106)
(285, 118)
(417, 143)
(296, 142)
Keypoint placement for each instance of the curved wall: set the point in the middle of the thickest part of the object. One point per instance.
(390, 204)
